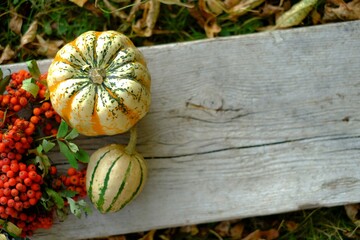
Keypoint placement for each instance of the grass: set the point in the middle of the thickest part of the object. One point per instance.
(60, 21)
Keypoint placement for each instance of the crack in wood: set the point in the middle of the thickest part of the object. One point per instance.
(254, 146)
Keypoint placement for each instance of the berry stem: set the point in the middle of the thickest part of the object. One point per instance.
(130, 148)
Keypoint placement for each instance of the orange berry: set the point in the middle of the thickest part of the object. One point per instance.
(71, 171)
(53, 170)
(37, 111)
(33, 201)
(74, 179)
(45, 106)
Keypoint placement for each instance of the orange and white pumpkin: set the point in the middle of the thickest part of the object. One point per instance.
(99, 83)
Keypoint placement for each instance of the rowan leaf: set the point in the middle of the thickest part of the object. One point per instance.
(33, 69)
(82, 156)
(78, 207)
(73, 147)
(47, 145)
(62, 130)
(58, 200)
(72, 134)
(30, 86)
(64, 149)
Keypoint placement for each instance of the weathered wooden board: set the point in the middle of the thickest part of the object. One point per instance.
(242, 126)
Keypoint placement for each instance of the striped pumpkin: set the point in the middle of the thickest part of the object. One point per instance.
(114, 178)
(99, 83)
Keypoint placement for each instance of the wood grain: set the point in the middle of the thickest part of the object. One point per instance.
(242, 126)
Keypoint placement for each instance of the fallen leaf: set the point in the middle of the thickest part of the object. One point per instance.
(15, 23)
(353, 212)
(149, 235)
(191, 229)
(215, 7)
(80, 3)
(236, 231)
(255, 235)
(296, 14)
(115, 11)
(243, 7)
(48, 48)
(342, 11)
(176, 2)
(144, 26)
(223, 228)
(212, 28)
(30, 34)
(315, 17)
(291, 226)
(268, 10)
(7, 54)
(270, 234)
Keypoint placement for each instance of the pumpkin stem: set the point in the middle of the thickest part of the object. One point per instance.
(97, 75)
(130, 148)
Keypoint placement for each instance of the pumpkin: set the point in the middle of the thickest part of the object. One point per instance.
(99, 83)
(114, 177)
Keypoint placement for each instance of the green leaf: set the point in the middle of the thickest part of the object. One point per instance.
(4, 82)
(79, 207)
(67, 193)
(73, 147)
(62, 130)
(58, 200)
(33, 69)
(30, 86)
(64, 149)
(72, 135)
(82, 156)
(44, 163)
(47, 145)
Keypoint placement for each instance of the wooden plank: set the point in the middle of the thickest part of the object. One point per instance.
(242, 126)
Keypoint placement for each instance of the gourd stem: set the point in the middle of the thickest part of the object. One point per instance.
(130, 148)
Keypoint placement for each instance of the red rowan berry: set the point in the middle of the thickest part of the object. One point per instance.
(71, 171)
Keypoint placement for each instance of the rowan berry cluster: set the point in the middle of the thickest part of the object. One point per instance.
(23, 118)
(73, 180)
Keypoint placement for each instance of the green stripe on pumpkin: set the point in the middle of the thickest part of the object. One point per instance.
(121, 188)
(100, 202)
(139, 185)
(89, 193)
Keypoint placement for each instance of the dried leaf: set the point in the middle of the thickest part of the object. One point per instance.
(353, 212)
(223, 228)
(268, 10)
(342, 11)
(236, 231)
(149, 235)
(243, 7)
(80, 3)
(176, 2)
(216, 7)
(212, 28)
(291, 226)
(255, 235)
(270, 234)
(115, 11)
(144, 26)
(30, 34)
(15, 23)
(7, 54)
(231, 3)
(48, 48)
(296, 14)
(191, 229)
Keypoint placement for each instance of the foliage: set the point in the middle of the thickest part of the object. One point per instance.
(38, 28)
